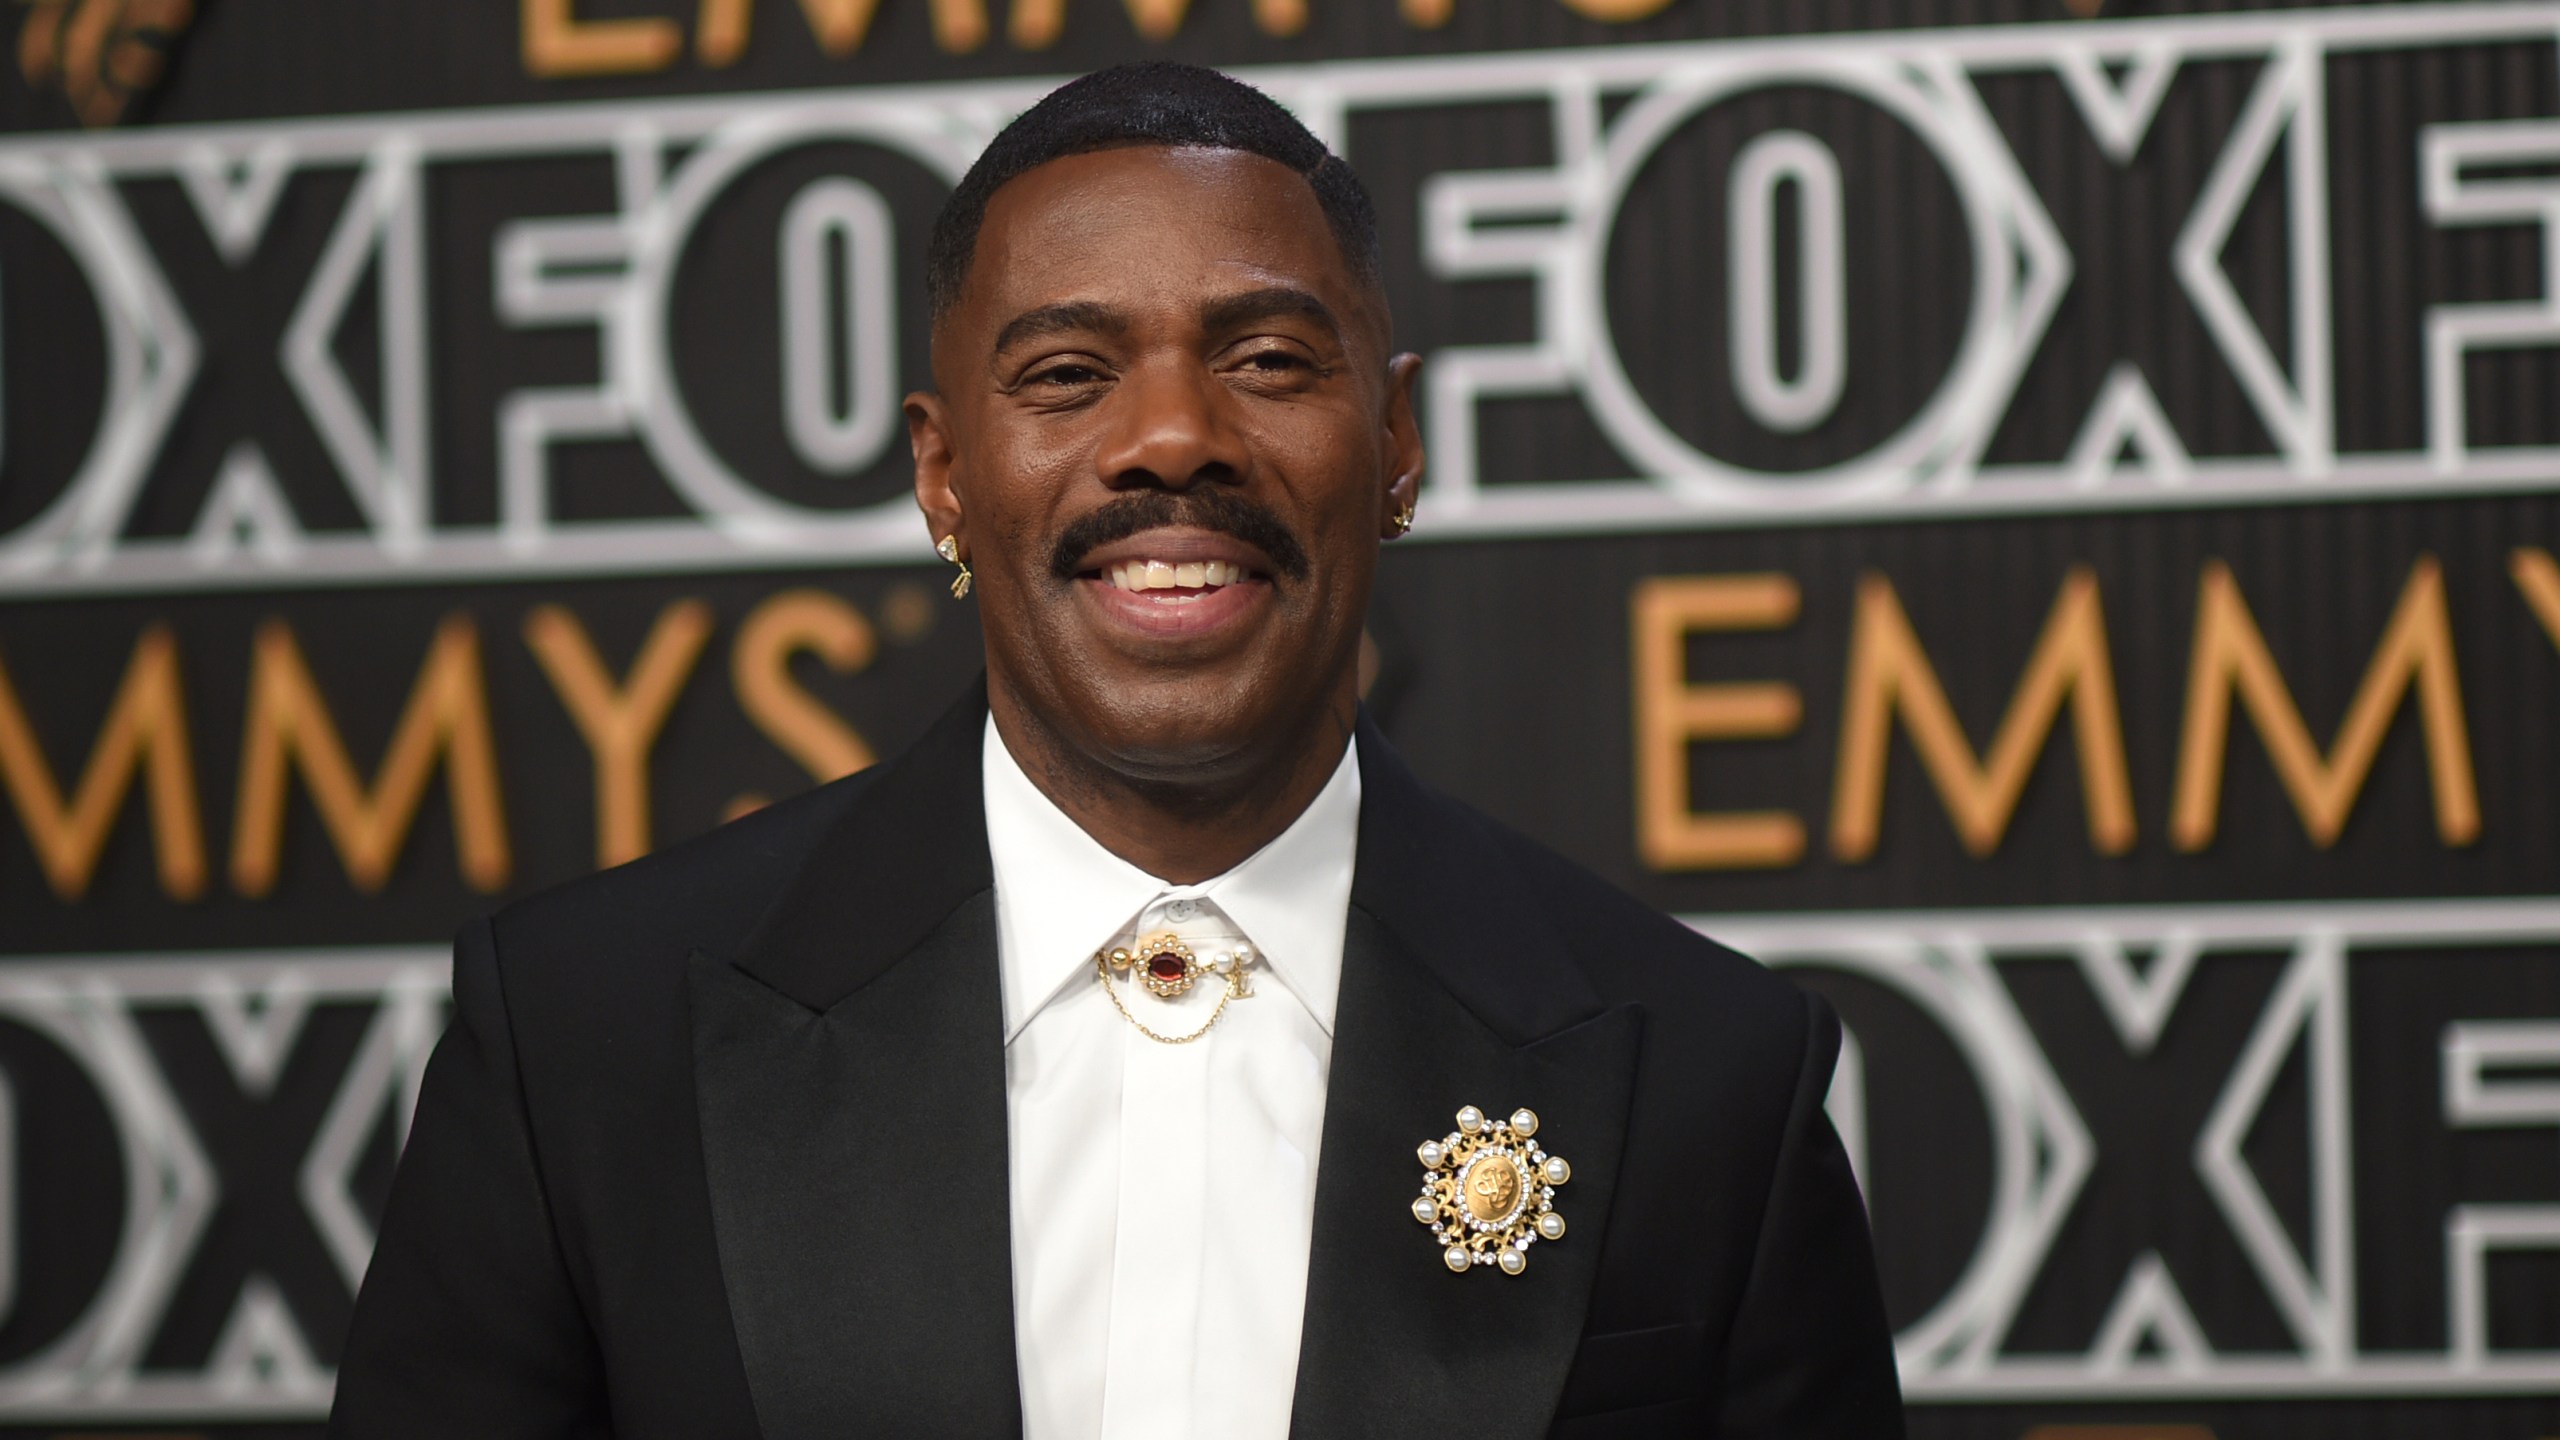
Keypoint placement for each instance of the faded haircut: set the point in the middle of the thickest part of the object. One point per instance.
(1148, 102)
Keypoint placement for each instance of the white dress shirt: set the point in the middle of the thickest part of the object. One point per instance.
(1163, 1195)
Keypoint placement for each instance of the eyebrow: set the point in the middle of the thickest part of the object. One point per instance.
(1230, 311)
(1227, 312)
(1058, 319)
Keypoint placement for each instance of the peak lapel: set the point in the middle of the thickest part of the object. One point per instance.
(910, 850)
(849, 1068)
(1456, 990)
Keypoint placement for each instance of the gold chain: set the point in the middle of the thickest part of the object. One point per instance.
(1102, 970)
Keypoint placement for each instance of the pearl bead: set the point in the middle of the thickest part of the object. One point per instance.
(1512, 1261)
(1455, 1257)
(1558, 1172)
(1431, 1154)
(1551, 1226)
(1525, 1122)
(1425, 1210)
(1470, 1120)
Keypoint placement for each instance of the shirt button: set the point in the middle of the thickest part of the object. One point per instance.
(1182, 910)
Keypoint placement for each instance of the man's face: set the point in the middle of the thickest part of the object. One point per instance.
(1168, 438)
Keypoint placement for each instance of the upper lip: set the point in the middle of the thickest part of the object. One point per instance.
(1177, 545)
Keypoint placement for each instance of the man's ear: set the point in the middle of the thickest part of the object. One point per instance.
(1403, 439)
(929, 440)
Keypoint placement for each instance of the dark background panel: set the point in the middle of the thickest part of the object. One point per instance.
(364, 650)
(1521, 700)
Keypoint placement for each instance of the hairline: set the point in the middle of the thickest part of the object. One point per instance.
(1365, 272)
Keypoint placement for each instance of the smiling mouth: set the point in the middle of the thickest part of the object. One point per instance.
(1177, 593)
(1174, 582)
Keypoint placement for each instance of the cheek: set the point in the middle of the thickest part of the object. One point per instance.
(1331, 469)
(1014, 494)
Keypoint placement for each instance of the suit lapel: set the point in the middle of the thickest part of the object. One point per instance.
(1455, 991)
(849, 1069)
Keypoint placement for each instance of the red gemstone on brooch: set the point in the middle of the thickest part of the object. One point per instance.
(1165, 965)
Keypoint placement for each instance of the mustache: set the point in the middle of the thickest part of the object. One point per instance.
(1206, 508)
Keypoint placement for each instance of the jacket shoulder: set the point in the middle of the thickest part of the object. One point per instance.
(1633, 952)
(706, 893)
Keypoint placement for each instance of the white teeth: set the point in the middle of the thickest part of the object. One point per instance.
(1142, 575)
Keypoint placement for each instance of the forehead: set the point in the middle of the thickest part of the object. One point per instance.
(1151, 223)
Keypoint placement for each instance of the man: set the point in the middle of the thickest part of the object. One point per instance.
(1145, 1054)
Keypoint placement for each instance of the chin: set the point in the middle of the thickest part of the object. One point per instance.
(1195, 727)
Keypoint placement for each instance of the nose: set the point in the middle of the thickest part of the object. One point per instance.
(1172, 428)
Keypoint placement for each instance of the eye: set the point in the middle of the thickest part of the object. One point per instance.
(1064, 372)
(1274, 365)
(1062, 382)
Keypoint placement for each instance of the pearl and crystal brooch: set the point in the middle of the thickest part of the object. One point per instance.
(1489, 1191)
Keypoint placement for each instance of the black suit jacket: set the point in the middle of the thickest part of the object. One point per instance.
(715, 1146)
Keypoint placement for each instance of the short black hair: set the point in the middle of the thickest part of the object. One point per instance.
(1147, 102)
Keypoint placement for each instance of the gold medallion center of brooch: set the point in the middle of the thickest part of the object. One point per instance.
(1493, 1184)
(1489, 1191)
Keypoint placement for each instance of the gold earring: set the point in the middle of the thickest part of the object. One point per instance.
(1402, 519)
(949, 549)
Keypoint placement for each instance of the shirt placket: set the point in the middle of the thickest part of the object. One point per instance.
(1149, 1379)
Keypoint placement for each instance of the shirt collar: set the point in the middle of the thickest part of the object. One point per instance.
(1060, 895)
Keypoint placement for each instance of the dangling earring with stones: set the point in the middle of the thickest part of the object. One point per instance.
(949, 549)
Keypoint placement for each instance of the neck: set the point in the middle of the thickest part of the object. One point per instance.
(1185, 830)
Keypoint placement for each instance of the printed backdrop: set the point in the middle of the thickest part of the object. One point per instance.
(2042, 523)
